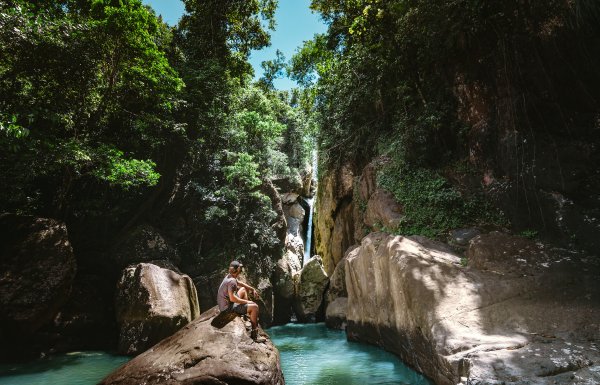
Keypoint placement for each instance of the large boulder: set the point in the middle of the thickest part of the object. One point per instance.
(337, 295)
(335, 314)
(286, 269)
(201, 354)
(337, 281)
(382, 211)
(310, 290)
(37, 269)
(265, 301)
(143, 244)
(452, 322)
(307, 182)
(152, 303)
(294, 216)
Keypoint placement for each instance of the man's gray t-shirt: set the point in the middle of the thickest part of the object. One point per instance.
(223, 293)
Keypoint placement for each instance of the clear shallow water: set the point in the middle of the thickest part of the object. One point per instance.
(78, 368)
(311, 354)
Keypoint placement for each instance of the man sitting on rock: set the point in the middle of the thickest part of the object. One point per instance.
(230, 298)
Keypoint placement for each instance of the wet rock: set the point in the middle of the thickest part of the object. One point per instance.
(201, 354)
(152, 303)
(310, 290)
(37, 269)
(335, 315)
(279, 224)
(453, 323)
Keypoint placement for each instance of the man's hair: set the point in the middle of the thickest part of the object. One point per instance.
(234, 266)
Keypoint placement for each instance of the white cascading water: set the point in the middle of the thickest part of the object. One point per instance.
(308, 245)
(311, 203)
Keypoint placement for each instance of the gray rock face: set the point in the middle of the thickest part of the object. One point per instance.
(337, 281)
(310, 289)
(265, 302)
(337, 296)
(143, 244)
(201, 354)
(335, 315)
(152, 303)
(451, 322)
(37, 269)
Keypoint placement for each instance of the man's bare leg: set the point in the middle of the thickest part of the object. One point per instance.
(252, 311)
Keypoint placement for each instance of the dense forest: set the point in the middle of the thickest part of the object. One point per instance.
(109, 117)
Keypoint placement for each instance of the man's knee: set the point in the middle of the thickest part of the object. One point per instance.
(242, 293)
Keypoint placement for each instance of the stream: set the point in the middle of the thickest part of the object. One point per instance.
(310, 354)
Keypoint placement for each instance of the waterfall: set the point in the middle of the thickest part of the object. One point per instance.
(311, 204)
(308, 245)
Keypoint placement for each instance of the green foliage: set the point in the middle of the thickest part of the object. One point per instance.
(431, 206)
(531, 234)
(243, 172)
(12, 134)
(127, 173)
(273, 69)
(78, 78)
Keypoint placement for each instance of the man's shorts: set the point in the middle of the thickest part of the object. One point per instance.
(239, 308)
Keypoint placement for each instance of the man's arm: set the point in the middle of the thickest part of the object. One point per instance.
(234, 298)
(249, 288)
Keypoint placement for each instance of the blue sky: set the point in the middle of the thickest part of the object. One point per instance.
(295, 24)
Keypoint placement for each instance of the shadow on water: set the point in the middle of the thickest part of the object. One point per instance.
(77, 368)
(313, 354)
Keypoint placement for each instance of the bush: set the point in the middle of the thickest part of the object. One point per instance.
(432, 206)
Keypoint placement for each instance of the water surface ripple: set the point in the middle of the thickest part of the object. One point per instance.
(312, 354)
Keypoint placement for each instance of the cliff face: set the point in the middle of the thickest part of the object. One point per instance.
(532, 111)
(334, 220)
(531, 149)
